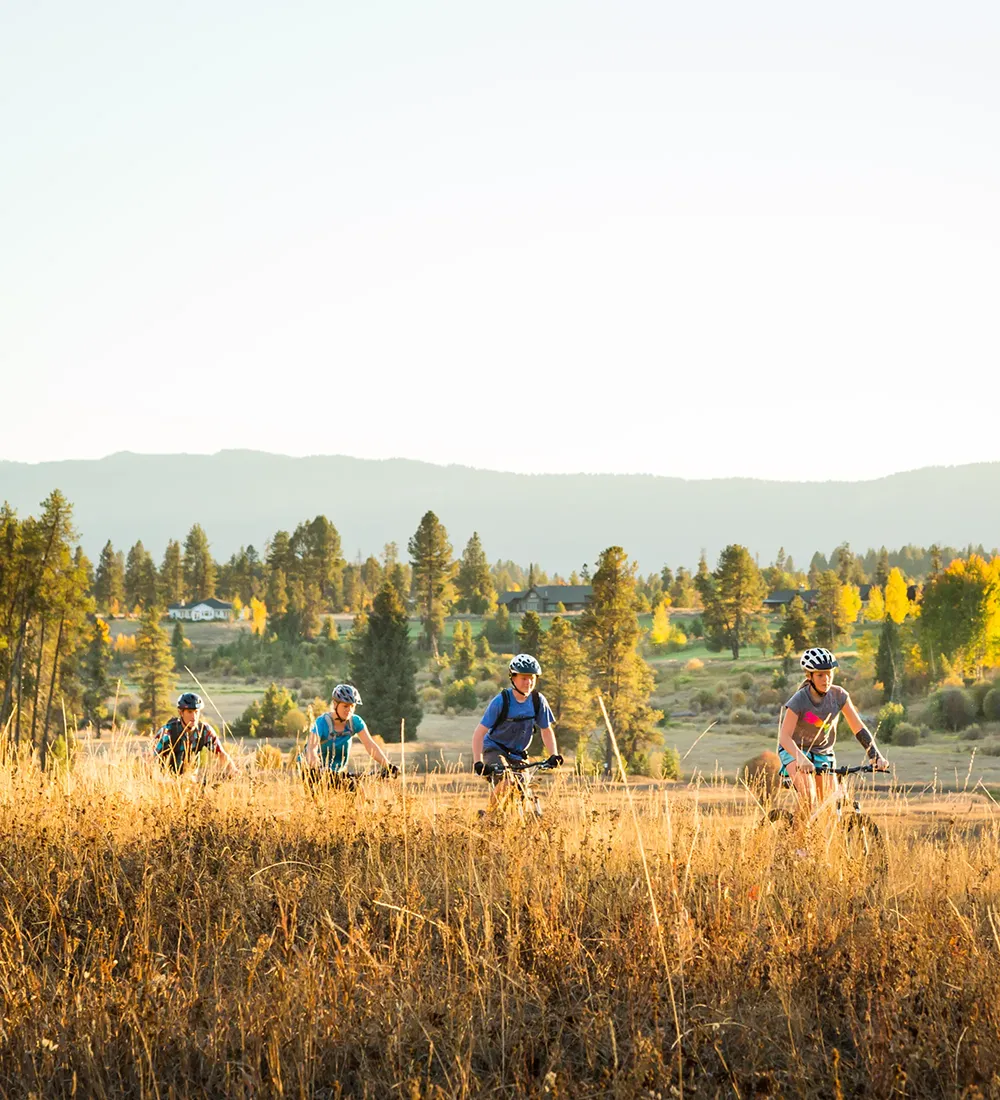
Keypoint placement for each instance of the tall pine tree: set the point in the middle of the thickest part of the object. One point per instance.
(610, 634)
(154, 665)
(199, 568)
(383, 668)
(474, 581)
(430, 557)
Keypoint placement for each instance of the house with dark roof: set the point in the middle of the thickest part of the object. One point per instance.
(546, 598)
(779, 601)
(201, 610)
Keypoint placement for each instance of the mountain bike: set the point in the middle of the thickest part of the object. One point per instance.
(511, 780)
(857, 832)
(319, 779)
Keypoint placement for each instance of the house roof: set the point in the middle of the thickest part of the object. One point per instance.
(551, 593)
(219, 605)
(785, 596)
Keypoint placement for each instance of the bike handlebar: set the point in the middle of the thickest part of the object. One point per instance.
(491, 771)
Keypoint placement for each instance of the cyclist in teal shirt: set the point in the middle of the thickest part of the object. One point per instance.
(329, 743)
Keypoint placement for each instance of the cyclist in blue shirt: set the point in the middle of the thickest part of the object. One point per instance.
(506, 728)
(329, 743)
(179, 743)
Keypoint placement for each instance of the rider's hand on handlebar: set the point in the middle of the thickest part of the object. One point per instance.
(393, 770)
(805, 765)
(554, 761)
(479, 767)
(879, 762)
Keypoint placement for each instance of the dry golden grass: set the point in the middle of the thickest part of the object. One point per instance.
(160, 939)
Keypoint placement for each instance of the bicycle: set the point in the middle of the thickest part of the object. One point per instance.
(861, 837)
(517, 775)
(318, 778)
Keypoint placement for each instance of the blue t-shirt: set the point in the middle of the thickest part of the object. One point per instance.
(335, 748)
(514, 735)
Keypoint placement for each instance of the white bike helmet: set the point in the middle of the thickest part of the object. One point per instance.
(818, 659)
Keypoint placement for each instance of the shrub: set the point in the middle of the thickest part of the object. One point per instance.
(991, 748)
(779, 681)
(737, 698)
(461, 694)
(761, 772)
(867, 696)
(268, 758)
(293, 722)
(704, 698)
(991, 705)
(694, 665)
(746, 681)
(430, 696)
(978, 692)
(906, 733)
(742, 718)
(951, 709)
(889, 717)
(485, 689)
(768, 697)
(973, 733)
(662, 764)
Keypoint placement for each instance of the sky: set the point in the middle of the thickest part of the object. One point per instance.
(699, 240)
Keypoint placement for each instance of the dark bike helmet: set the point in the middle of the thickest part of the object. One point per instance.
(347, 693)
(189, 700)
(524, 663)
(818, 659)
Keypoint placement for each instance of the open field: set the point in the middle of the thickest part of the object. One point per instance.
(160, 939)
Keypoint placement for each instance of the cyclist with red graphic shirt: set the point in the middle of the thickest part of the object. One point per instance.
(809, 730)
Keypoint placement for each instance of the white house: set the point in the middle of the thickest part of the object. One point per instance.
(202, 611)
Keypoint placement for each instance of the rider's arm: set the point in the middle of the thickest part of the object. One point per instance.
(215, 744)
(374, 750)
(788, 724)
(864, 736)
(549, 740)
(477, 742)
(312, 747)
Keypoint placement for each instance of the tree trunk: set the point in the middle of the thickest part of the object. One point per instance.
(38, 682)
(15, 667)
(52, 690)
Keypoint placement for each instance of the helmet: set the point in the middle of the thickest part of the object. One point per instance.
(189, 700)
(524, 663)
(818, 660)
(347, 693)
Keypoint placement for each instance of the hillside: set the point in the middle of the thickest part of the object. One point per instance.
(559, 520)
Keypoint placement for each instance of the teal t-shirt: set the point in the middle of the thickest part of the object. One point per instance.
(335, 748)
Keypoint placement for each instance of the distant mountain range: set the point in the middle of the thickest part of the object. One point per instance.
(560, 521)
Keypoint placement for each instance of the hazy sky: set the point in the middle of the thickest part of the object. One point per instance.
(692, 239)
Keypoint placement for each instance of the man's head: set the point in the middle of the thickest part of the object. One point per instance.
(524, 672)
(189, 707)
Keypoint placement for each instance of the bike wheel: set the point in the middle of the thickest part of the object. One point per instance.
(863, 842)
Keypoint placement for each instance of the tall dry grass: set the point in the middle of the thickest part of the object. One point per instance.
(162, 940)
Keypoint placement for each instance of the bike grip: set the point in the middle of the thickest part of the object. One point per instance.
(479, 767)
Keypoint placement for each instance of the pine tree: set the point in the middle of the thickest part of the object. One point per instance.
(889, 661)
(109, 581)
(94, 676)
(732, 595)
(474, 581)
(881, 575)
(610, 635)
(383, 668)
(798, 626)
(178, 645)
(683, 592)
(430, 557)
(141, 581)
(500, 630)
(172, 575)
(463, 654)
(199, 569)
(528, 639)
(564, 681)
(831, 618)
(154, 666)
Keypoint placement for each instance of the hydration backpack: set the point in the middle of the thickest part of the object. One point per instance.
(506, 696)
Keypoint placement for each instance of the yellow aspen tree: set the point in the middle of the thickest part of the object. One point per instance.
(896, 603)
(258, 616)
(850, 603)
(875, 611)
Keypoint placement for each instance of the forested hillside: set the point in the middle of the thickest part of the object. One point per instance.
(242, 497)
